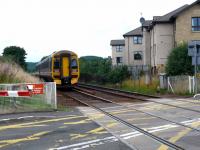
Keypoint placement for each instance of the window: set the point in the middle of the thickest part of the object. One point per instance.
(118, 60)
(195, 23)
(137, 39)
(119, 48)
(56, 64)
(74, 64)
(138, 55)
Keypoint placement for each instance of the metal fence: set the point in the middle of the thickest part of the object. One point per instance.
(43, 99)
(138, 70)
(178, 84)
(183, 84)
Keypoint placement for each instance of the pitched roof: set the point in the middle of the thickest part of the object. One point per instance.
(137, 31)
(167, 17)
(189, 6)
(117, 42)
(173, 14)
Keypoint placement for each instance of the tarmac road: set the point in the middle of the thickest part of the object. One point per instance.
(61, 130)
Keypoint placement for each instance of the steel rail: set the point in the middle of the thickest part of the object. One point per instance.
(118, 90)
(134, 97)
(153, 115)
(129, 92)
(161, 140)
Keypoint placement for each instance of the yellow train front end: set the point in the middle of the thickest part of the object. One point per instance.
(65, 68)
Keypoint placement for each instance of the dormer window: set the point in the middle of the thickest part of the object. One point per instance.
(119, 48)
(195, 23)
(137, 39)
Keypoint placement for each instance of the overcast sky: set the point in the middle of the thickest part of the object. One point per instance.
(83, 26)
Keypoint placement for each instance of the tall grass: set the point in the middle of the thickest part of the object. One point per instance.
(139, 85)
(10, 72)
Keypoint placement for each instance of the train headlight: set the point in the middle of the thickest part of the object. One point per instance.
(74, 70)
(56, 70)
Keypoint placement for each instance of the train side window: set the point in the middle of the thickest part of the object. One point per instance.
(74, 63)
(56, 64)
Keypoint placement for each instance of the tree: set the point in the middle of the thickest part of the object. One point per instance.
(179, 63)
(118, 74)
(17, 54)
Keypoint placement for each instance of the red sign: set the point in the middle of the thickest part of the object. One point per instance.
(36, 88)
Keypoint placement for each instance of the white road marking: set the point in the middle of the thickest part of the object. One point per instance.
(126, 136)
(88, 143)
(24, 117)
(7, 119)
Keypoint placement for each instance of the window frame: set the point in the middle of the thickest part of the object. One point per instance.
(137, 39)
(119, 48)
(74, 66)
(138, 52)
(195, 26)
(56, 63)
(120, 60)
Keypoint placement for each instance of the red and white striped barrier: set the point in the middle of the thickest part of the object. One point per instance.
(27, 91)
(15, 93)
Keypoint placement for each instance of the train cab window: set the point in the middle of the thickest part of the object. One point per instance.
(74, 63)
(56, 64)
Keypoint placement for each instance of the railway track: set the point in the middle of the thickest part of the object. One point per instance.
(98, 104)
(107, 101)
(142, 97)
(91, 99)
(185, 115)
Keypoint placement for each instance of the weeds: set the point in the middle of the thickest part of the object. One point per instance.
(10, 72)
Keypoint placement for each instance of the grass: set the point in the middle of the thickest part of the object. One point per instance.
(139, 86)
(10, 72)
(63, 108)
(24, 104)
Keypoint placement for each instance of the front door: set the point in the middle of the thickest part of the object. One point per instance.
(65, 66)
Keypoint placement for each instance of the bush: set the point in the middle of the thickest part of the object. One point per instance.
(118, 74)
(100, 70)
(179, 63)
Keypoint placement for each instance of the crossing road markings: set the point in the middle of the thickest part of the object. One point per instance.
(114, 112)
(180, 135)
(97, 131)
(78, 122)
(36, 136)
(32, 124)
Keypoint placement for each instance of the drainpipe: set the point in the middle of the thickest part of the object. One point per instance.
(174, 32)
(128, 52)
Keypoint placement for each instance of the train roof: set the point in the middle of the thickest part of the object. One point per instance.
(56, 52)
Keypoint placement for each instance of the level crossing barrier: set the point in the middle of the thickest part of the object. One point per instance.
(28, 97)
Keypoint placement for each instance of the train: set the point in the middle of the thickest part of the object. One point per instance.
(61, 67)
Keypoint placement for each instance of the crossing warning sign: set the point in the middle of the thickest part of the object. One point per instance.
(36, 88)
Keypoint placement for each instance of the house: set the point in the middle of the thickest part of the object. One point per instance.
(134, 47)
(157, 37)
(118, 52)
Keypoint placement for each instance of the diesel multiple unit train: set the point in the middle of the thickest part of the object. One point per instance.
(61, 67)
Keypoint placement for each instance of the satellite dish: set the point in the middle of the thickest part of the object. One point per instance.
(142, 20)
